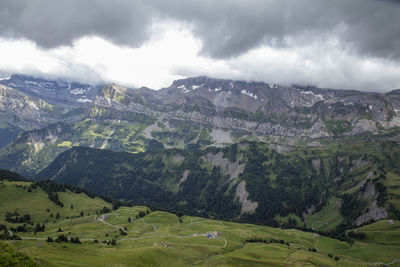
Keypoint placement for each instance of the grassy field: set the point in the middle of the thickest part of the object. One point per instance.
(164, 239)
(16, 198)
(326, 219)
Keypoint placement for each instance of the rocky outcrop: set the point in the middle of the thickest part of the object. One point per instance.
(233, 169)
(184, 177)
(221, 137)
(24, 111)
(243, 196)
(375, 213)
(60, 93)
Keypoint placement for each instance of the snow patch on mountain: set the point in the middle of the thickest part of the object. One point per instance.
(34, 83)
(244, 92)
(194, 87)
(84, 100)
(183, 88)
(217, 89)
(78, 91)
(311, 93)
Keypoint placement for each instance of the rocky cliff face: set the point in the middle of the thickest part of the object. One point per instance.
(24, 111)
(261, 109)
(207, 112)
(59, 93)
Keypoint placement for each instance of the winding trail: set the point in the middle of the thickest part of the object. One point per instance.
(195, 245)
(382, 263)
(102, 219)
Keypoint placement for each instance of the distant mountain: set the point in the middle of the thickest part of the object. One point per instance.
(61, 93)
(25, 111)
(290, 148)
(209, 112)
(28, 103)
(244, 109)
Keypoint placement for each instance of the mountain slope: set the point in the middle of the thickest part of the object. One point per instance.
(8, 132)
(85, 233)
(216, 112)
(24, 111)
(249, 181)
(28, 103)
(59, 93)
(42, 201)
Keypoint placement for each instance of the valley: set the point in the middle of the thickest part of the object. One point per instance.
(204, 172)
(326, 189)
(146, 237)
(199, 133)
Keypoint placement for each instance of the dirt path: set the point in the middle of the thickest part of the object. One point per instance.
(382, 263)
(102, 219)
(194, 245)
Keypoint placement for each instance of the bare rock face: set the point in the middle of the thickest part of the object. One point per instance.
(370, 192)
(184, 176)
(221, 137)
(233, 169)
(56, 92)
(357, 164)
(318, 130)
(374, 214)
(243, 196)
(273, 110)
(226, 107)
(316, 164)
(30, 112)
(363, 125)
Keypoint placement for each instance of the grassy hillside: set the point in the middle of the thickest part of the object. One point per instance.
(328, 189)
(22, 198)
(145, 238)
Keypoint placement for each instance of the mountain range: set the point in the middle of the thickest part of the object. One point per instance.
(236, 146)
(200, 110)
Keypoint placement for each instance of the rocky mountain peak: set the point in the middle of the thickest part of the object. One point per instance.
(57, 92)
(112, 91)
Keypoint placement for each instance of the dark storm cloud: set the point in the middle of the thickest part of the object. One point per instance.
(54, 23)
(226, 27)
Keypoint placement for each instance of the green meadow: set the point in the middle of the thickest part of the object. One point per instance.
(156, 238)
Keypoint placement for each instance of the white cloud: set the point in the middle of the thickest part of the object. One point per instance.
(173, 52)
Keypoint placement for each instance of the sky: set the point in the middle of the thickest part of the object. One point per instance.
(348, 44)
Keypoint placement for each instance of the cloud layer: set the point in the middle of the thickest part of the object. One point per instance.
(337, 43)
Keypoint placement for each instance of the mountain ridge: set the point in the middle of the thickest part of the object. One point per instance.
(211, 112)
